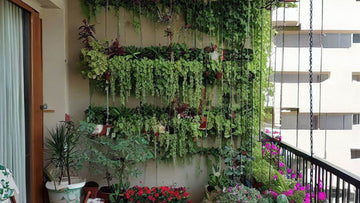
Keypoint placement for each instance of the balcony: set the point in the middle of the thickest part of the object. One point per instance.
(338, 184)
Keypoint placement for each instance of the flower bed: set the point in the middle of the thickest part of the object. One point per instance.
(157, 194)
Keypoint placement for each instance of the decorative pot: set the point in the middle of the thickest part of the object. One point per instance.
(64, 193)
(98, 129)
(106, 130)
(92, 187)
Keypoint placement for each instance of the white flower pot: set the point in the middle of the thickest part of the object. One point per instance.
(98, 129)
(64, 193)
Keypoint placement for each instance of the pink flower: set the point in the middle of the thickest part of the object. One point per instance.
(281, 172)
(293, 175)
(322, 196)
(289, 170)
(289, 192)
(275, 176)
(281, 164)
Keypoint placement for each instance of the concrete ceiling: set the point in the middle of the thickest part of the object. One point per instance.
(51, 3)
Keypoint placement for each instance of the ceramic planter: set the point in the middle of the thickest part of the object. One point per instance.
(98, 129)
(64, 193)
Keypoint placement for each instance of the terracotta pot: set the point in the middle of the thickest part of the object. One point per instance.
(106, 130)
(219, 75)
(203, 123)
(104, 193)
(93, 187)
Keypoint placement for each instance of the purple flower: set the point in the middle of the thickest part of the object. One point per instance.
(289, 170)
(230, 189)
(281, 164)
(289, 192)
(322, 196)
(293, 176)
(300, 175)
(281, 172)
(275, 176)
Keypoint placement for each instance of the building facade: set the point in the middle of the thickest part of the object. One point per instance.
(336, 79)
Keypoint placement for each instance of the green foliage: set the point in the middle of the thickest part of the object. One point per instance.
(282, 199)
(240, 194)
(95, 115)
(120, 81)
(298, 196)
(119, 155)
(95, 62)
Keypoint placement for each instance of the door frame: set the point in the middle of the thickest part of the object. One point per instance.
(36, 114)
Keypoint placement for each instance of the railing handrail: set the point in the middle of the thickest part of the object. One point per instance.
(336, 170)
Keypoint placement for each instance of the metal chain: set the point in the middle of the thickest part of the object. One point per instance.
(311, 94)
(260, 69)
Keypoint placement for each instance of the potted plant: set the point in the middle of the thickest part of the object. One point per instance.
(116, 156)
(65, 157)
(97, 115)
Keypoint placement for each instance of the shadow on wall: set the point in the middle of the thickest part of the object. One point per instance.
(334, 40)
(302, 77)
(322, 122)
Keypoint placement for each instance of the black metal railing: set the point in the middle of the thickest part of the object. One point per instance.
(338, 184)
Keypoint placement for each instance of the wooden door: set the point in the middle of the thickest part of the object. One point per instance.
(35, 190)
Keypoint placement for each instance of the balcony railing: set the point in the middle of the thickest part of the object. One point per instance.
(338, 184)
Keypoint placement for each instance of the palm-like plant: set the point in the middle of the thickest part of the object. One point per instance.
(61, 146)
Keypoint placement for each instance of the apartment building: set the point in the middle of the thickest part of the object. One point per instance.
(336, 79)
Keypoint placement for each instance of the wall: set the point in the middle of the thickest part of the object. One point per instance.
(65, 91)
(192, 173)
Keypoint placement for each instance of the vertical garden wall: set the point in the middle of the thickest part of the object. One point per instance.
(179, 84)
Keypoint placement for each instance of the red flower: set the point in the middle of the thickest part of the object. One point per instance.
(141, 192)
(176, 193)
(156, 195)
(186, 194)
(189, 201)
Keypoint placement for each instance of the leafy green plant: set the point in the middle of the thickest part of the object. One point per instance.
(62, 147)
(282, 199)
(95, 115)
(94, 60)
(120, 81)
(118, 156)
(240, 194)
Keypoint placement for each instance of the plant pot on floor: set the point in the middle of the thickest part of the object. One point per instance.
(63, 192)
(92, 187)
(104, 193)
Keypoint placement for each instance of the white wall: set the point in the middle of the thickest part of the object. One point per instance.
(337, 15)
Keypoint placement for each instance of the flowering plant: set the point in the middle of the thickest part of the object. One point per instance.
(161, 194)
(239, 193)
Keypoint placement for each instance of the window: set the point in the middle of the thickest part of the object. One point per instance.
(355, 153)
(356, 37)
(356, 118)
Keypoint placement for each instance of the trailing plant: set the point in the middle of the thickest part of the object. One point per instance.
(121, 75)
